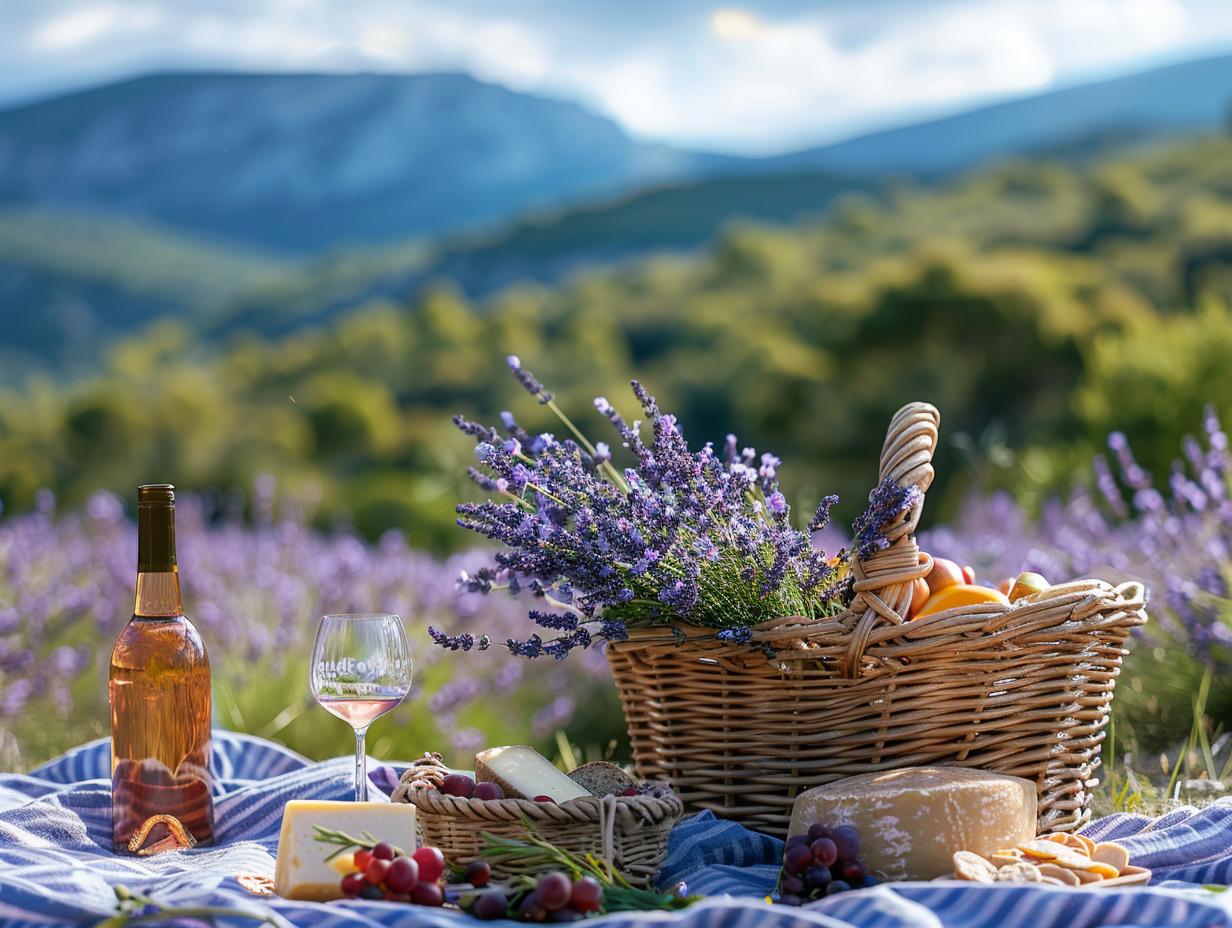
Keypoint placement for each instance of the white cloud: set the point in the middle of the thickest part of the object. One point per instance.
(728, 77)
(91, 24)
(765, 86)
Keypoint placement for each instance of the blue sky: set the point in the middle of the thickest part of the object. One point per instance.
(750, 77)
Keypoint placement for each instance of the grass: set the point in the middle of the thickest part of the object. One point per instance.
(1123, 790)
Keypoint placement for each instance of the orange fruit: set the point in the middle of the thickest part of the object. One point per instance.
(961, 594)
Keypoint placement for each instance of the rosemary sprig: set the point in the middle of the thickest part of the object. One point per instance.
(345, 841)
(619, 895)
(132, 910)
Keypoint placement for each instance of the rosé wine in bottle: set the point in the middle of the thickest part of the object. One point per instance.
(160, 696)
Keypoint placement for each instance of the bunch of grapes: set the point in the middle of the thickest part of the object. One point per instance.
(553, 898)
(462, 786)
(823, 862)
(385, 872)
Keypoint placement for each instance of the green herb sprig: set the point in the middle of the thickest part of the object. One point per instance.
(345, 841)
(132, 910)
(619, 895)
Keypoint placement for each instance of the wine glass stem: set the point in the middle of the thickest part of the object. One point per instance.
(361, 765)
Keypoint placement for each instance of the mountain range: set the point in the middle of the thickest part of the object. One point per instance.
(302, 163)
(223, 197)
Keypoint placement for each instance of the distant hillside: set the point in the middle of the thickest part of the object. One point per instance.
(274, 202)
(679, 217)
(1195, 96)
(301, 163)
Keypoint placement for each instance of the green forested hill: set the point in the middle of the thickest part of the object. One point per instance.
(1037, 304)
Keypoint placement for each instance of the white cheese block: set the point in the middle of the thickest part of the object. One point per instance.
(524, 773)
(911, 821)
(301, 871)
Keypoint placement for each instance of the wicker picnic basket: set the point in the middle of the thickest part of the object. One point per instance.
(1023, 690)
(628, 832)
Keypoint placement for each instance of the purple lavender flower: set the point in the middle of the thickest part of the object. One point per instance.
(527, 380)
(682, 537)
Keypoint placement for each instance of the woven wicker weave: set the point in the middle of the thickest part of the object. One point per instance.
(1023, 690)
(628, 831)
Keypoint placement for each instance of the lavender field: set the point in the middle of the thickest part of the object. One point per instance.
(255, 585)
(256, 592)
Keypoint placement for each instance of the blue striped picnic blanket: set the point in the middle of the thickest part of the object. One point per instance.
(57, 865)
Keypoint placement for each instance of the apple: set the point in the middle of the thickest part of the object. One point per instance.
(1005, 586)
(1027, 584)
(968, 573)
(944, 573)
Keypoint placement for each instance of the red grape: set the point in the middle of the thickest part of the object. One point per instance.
(586, 895)
(631, 791)
(531, 909)
(545, 799)
(816, 877)
(488, 791)
(791, 899)
(478, 873)
(793, 885)
(817, 830)
(554, 890)
(427, 894)
(431, 863)
(353, 884)
(837, 886)
(391, 896)
(403, 874)
(868, 882)
(564, 915)
(852, 871)
(376, 871)
(372, 892)
(383, 851)
(824, 852)
(847, 840)
(491, 905)
(797, 860)
(457, 784)
(794, 840)
(362, 858)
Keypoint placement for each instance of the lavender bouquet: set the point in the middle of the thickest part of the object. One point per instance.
(694, 537)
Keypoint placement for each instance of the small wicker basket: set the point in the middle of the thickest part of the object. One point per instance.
(628, 832)
(1024, 690)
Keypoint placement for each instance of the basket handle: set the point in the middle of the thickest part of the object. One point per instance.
(882, 582)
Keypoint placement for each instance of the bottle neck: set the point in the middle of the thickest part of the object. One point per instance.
(158, 578)
(158, 593)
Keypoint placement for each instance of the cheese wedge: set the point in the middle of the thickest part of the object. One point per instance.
(301, 871)
(911, 821)
(524, 773)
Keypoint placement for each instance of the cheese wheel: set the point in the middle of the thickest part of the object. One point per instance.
(912, 820)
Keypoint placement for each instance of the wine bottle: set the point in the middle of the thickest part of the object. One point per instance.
(160, 697)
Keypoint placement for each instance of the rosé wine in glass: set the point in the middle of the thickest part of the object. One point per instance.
(361, 669)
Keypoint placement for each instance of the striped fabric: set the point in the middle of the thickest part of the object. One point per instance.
(57, 865)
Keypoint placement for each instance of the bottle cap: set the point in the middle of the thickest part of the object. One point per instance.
(155, 493)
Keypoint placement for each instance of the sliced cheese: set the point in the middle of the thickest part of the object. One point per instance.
(911, 821)
(301, 871)
(524, 773)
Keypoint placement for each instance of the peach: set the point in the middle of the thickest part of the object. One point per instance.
(919, 596)
(944, 573)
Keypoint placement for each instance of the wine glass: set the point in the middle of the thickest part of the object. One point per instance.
(361, 668)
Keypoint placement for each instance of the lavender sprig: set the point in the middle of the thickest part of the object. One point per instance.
(682, 536)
